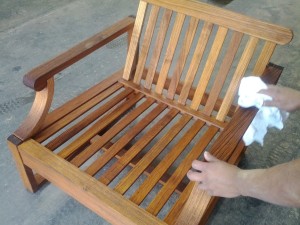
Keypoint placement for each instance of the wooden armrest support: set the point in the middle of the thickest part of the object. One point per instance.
(223, 148)
(37, 78)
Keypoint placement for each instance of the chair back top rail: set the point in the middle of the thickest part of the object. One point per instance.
(229, 19)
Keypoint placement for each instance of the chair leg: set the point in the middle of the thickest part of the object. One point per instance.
(25, 172)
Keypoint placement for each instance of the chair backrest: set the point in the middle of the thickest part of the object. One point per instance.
(196, 54)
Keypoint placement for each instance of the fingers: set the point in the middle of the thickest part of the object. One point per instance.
(194, 176)
(198, 165)
(209, 157)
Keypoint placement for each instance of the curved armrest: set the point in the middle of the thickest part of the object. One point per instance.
(37, 78)
(225, 145)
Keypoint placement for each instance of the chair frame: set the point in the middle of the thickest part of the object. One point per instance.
(37, 163)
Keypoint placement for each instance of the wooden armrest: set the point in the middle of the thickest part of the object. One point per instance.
(37, 78)
(223, 148)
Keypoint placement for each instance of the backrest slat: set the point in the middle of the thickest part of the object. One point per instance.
(170, 52)
(135, 37)
(264, 58)
(199, 51)
(239, 73)
(146, 44)
(182, 57)
(223, 72)
(209, 66)
(158, 48)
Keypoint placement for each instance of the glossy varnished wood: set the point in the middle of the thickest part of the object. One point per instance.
(123, 147)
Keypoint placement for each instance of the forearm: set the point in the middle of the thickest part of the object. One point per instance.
(279, 184)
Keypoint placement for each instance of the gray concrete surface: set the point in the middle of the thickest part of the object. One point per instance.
(32, 31)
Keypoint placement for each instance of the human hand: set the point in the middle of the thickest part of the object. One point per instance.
(282, 97)
(216, 177)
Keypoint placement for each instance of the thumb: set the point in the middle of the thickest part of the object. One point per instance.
(209, 157)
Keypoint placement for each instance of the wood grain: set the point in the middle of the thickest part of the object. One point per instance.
(229, 19)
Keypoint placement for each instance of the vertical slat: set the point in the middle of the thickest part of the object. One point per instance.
(159, 146)
(264, 58)
(158, 47)
(170, 52)
(107, 136)
(114, 170)
(182, 57)
(240, 71)
(199, 51)
(123, 141)
(146, 44)
(135, 39)
(167, 190)
(165, 164)
(209, 66)
(223, 71)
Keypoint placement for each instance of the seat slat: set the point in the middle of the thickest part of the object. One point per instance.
(138, 147)
(159, 146)
(112, 132)
(223, 71)
(165, 163)
(76, 128)
(101, 124)
(177, 207)
(170, 52)
(239, 73)
(209, 66)
(182, 57)
(167, 190)
(52, 129)
(198, 54)
(123, 141)
(146, 44)
(69, 106)
(158, 48)
(133, 162)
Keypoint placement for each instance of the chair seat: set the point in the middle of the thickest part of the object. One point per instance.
(135, 145)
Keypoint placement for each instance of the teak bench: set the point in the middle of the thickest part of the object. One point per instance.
(123, 147)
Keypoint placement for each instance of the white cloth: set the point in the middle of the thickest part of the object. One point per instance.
(266, 116)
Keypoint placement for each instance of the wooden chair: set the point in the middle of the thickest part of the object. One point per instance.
(123, 147)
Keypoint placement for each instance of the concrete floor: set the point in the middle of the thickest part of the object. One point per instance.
(32, 31)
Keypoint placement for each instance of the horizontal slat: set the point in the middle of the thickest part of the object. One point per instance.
(99, 125)
(85, 189)
(166, 163)
(229, 19)
(172, 104)
(150, 156)
(76, 128)
(123, 141)
(46, 133)
(138, 147)
(74, 103)
(108, 135)
(167, 190)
